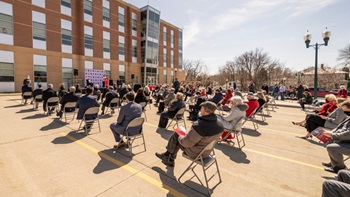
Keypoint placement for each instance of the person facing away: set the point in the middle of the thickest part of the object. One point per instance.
(127, 113)
(203, 131)
(176, 85)
(238, 109)
(48, 93)
(84, 103)
(252, 103)
(217, 97)
(110, 95)
(69, 97)
(27, 88)
(36, 92)
(300, 92)
(26, 79)
(172, 110)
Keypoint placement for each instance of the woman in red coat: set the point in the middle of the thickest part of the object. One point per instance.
(342, 92)
(227, 97)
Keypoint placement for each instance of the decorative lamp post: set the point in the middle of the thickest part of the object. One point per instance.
(307, 37)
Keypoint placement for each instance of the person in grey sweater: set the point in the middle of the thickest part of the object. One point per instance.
(238, 109)
(339, 187)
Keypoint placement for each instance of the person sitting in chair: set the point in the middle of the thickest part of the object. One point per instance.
(238, 109)
(70, 97)
(166, 102)
(84, 103)
(306, 100)
(204, 131)
(127, 113)
(48, 93)
(36, 92)
(172, 110)
(217, 97)
(252, 103)
(27, 88)
(339, 187)
(110, 95)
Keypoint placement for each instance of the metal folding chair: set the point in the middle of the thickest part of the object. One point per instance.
(131, 138)
(251, 117)
(114, 104)
(35, 100)
(261, 113)
(179, 116)
(90, 111)
(237, 132)
(143, 105)
(71, 105)
(26, 94)
(52, 102)
(206, 163)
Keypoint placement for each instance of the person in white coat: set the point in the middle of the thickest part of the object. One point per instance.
(238, 109)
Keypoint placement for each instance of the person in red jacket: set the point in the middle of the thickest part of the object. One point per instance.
(342, 92)
(252, 103)
(227, 97)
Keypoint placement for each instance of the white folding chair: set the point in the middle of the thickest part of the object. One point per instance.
(28, 95)
(90, 111)
(69, 105)
(52, 102)
(179, 116)
(206, 163)
(35, 101)
(131, 138)
(237, 131)
(251, 117)
(143, 105)
(114, 104)
(272, 104)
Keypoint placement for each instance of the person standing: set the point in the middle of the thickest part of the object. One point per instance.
(176, 85)
(234, 85)
(282, 91)
(251, 87)
(300, 92)
(105, 81)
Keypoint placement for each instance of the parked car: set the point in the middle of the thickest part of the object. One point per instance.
(321, 92)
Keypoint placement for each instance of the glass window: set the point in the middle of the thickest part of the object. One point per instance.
(108, 74)
(39, 31)
(7, 72)
(66, 37)
(164, 57)
(87, 7)
(121, 49)
(134, 24)
(165, 78)
(172, 59)
(172, 40)
(88, 43)
(180, 60)
(106, 16)
(164, 36)
(121, 19)
(66, 3)
(67, 76)
(122, 75)
(134, 51)
(40, 73)
(6, 24)
(106, 45)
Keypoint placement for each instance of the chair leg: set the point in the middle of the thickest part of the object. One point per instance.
(99, 127)
(184, 123)
(169, 123)
(187, 169)
(144, 142)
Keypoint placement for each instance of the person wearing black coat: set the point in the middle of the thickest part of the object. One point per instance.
(27, 88)
(69, 97)
(172, 110)
(36, 92)
(48, 93)
(176, 85)
(217, 97)
(110, 95)
(300, 91)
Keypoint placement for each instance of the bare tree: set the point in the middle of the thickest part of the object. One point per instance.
(344, 55)
(194, 68)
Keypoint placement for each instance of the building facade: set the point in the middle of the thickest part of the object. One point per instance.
(55, 41)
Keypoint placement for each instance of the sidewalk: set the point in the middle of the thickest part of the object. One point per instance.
(293, 103)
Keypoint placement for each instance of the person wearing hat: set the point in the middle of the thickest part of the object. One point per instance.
(342, 92)
(252, 103)
(203, 131)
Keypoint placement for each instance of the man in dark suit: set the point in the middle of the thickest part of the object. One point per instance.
(70, 97)
(48, 93)
(36, 92)
(172, 110)
(84, 103)
(217, 97)
(110, 95)
(176, 85)
(127, 113)
(26, 88)
(166, 102)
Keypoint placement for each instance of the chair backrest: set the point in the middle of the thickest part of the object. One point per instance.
(53, 100)
(37, 97)
(210, 147)
(143, 104)
(114, 101)
(27, 94)
(180, 112)
(92, 110)
(135, 122)
(171, 102)
(78, 94)
(94, 96)
(253, 112)
(239, 123)
(70, 105)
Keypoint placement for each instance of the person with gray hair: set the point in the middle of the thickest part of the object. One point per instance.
(97, 92)
(238, 109)
(342, 92)
(48, 93)
(204, 131)
(70, 97)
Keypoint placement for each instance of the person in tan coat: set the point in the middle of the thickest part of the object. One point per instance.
(205, 130)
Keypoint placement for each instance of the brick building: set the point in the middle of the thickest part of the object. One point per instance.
(55, 41)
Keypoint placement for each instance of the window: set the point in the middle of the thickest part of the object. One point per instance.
(40, 73)
(134, 51)
(87, 7)
(66, 3)
(7, 72)
(122, 72)
(88, 43)
(39, 31)
(134, 24)
(172, 60)
(164, 37)
(121, 19)
(165, 76)
(106, 45)
(67, 76)
(106, 16)
(6, 24)
(121, 49)
(67, 37)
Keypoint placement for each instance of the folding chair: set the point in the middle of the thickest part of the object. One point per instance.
(35, 100)
(206, 163)
(143, 105)
(26, 94)
(114, 104)
(179, 116)
(272, 104)
(261, 112)
(52, 102)
(251, 117)
(149, 101)
(78, 94)
(131, 138)
(90, 111)
(237, 132)
(69, 105)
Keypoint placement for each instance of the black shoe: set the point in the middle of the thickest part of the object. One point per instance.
(166, 159)
(334, 169)
(327, 164)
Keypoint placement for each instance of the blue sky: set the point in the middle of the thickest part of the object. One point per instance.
(217, 31)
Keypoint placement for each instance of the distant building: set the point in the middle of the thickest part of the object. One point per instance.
(64, 40)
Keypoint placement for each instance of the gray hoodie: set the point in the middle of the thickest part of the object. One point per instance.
(230, 120)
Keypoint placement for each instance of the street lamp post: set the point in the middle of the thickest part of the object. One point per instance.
(307, 37)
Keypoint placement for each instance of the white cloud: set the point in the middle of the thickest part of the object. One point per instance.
(307, 7)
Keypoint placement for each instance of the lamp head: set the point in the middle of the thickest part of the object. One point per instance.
(307, 38)
(326, 35)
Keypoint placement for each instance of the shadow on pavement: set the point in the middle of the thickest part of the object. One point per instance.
(260, 122)
(329, 178)
(110, 160)
(24, 111)
(68, 138)
(13, 106)
(251, 132)
(55, 124)
(35, 116)
(234, 153)
(312, 141)
(164, 133)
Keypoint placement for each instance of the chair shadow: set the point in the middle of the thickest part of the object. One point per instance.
(108, 161)
(260, 122)
(234, 153)
(250, 132)
(168, 178)
(107, 116)
(329, 178)
(14, 106)
(18, 99)
(35, 116)
(312, 141)
(55, 124)
(25, 111)
(164, 133)
(69, 138)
